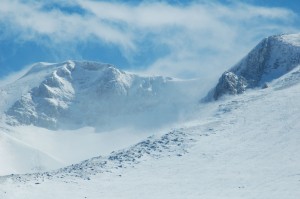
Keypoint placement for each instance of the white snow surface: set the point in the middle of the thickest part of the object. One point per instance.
(246, 146)
(27, 149)
(89, 130)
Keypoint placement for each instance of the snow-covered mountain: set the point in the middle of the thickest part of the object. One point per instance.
(270, 59)
(51, 112)
(76, 94)
(242, 146)
(246, 146)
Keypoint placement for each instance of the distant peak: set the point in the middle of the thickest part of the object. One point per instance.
(93, 65)
(44, 67)
(272, 58)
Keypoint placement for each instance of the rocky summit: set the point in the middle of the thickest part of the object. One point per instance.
(270, 59)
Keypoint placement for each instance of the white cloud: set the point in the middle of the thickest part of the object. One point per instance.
(31, 20)
(201, 37)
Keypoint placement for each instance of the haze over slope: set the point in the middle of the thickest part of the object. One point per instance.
(246, 146)
(59, 114)
(77, 94)
(243, 146)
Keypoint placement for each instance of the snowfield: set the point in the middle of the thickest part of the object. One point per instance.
(88, 130)
(246, 146)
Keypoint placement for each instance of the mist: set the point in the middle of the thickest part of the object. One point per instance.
(98, 118)
(181, 50)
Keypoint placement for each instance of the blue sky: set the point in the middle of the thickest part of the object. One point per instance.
(185, 39)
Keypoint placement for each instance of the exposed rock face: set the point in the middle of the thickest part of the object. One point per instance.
(269, 60)
(229, 83)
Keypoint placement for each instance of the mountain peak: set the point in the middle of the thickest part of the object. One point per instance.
(70, 65)
(74, 94)
(273, 57)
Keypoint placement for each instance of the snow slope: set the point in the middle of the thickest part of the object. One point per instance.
(17, 156)
(246, 146)
(243, 146)
(27, 149)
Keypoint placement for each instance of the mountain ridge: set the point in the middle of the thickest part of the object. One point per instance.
(245, 156)
(74, 92)
(273, 57)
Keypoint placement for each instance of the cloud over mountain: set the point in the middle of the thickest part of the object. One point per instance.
(175, 39)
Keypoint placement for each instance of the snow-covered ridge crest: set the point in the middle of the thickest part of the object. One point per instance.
(293, 39)
(272, 58)
(74, 94)
(44, 66)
